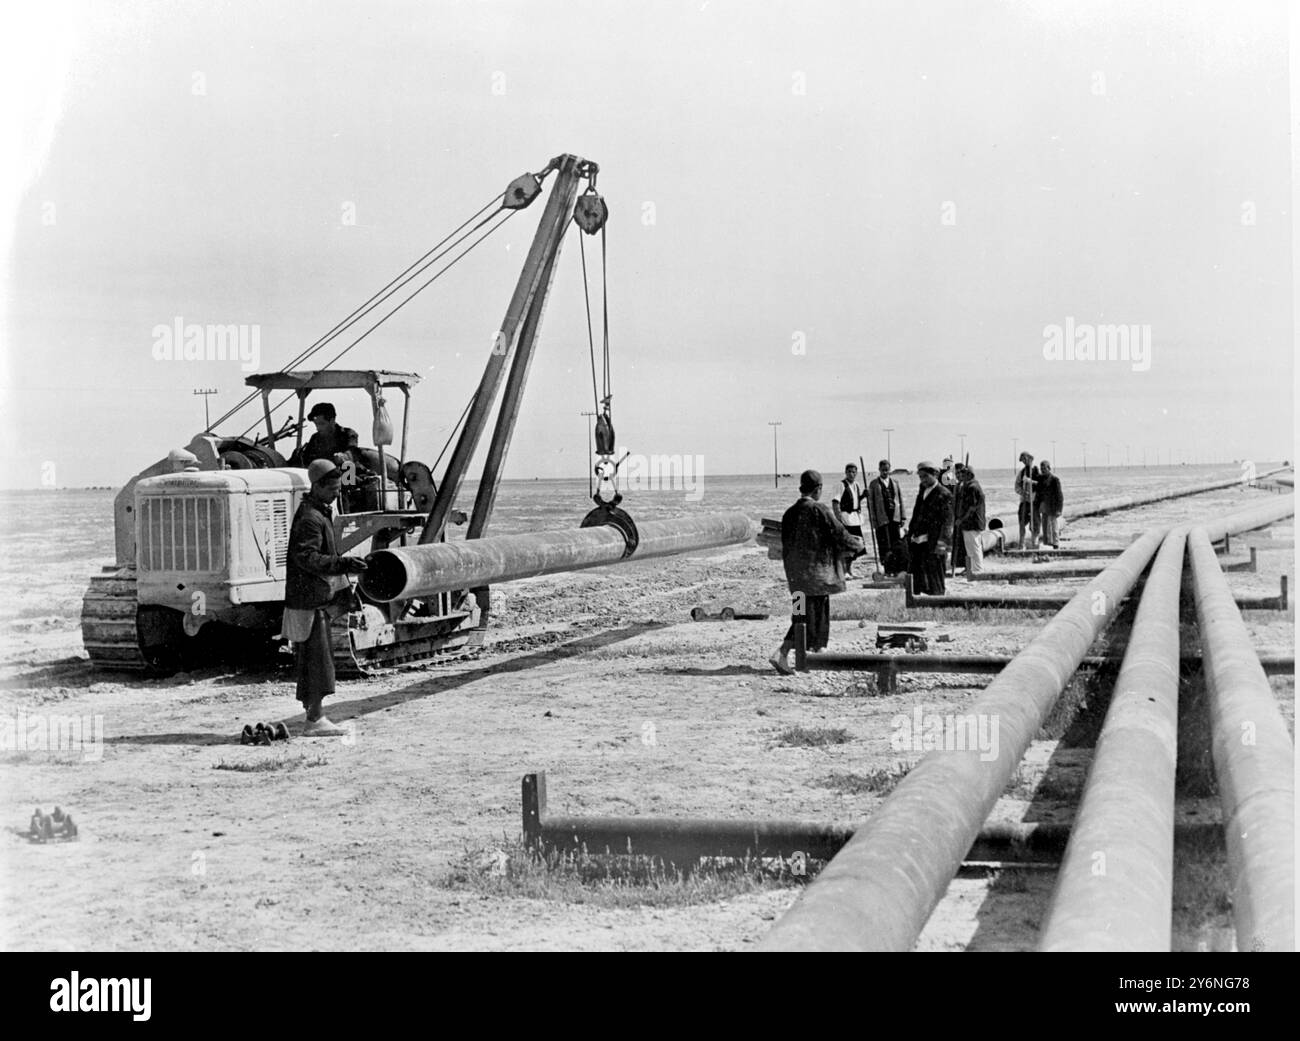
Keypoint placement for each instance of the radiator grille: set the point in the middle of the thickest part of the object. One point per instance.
(182, 533)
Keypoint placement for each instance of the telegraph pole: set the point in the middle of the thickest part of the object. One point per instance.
(776, 468)
(963, 447)
(207, 392)
(889, 451)
(1053, 455)
(1085, 456)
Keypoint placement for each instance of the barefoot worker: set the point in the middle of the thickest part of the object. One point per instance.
(813, 545)
(315, 591)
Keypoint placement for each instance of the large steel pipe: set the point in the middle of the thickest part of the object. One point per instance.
(1129, 502)
(1249, 519)
(1115, 887)
(880, 889)
(416, 571)
(1253, 762)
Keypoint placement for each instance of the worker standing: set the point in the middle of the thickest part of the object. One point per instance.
(316, 590)
(1025, 478)
(813, 544)
(885, 506)
(1052, 501)
(970, 519)
(849, 508)
(930, 532)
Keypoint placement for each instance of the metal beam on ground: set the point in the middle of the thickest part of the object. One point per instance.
(1053, 574)
(888, 667)
(1049, 602)
(684, 840)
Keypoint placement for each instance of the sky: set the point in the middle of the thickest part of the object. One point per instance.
(842, 217)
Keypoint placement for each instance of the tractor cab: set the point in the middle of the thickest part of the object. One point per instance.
(372, 475)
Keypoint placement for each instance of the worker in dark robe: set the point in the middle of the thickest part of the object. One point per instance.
(814, 543)
(316, 591)
(930, 532)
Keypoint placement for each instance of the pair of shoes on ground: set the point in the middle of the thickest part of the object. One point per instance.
(263, 734)
(322, 728)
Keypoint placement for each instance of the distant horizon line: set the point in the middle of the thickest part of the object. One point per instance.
(756, 476)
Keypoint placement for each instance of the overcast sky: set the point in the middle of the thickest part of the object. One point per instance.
(842, 216)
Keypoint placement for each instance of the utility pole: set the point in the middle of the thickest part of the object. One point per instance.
(590, 489)
(1053, 455)
(963, 447)
(889, 451)
(776, 469)
(207, 392)
(1085, 456)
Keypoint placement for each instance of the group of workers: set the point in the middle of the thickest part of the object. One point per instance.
(820, 541)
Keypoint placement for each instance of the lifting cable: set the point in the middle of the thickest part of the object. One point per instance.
(419, 289)
(431, 256)
(600, 395)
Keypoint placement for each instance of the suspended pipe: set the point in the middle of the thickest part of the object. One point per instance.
(1115, 887)
(1254, 763)
(421, 571)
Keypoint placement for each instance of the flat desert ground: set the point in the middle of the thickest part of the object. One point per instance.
(406, 834)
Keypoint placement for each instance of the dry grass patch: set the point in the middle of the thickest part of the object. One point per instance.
(880, 781)
(512, 869)
(813, 737)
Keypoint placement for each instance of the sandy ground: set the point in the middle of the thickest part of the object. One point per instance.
(599, 678)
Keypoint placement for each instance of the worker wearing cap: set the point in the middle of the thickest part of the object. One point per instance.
(330, 438)
(316, 590)
(1026, 477)
(813, 545)
(930, 532)
(969, 521)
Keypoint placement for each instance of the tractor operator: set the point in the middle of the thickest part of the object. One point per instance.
(330, 438)
(316, 590)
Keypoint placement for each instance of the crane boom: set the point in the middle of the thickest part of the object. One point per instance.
(518, 333)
